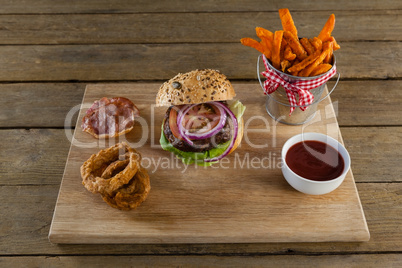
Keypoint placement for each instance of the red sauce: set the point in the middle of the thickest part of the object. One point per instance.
(315, 160)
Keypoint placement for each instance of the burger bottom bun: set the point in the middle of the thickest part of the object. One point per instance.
(239, 135)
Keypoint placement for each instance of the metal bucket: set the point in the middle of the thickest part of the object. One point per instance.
(277, 103)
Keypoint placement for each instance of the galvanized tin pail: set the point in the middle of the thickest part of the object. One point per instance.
(277, 103)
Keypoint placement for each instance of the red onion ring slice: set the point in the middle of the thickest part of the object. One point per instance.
(212, 132)
(180, 117)
(235, 130)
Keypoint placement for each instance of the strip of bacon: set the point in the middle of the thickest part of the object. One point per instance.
(110, 117)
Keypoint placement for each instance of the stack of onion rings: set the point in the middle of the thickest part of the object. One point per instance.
(116, 173)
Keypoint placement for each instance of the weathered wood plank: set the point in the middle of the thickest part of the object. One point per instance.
(189, 27)
(163, 61)
(38, 104)
(376, 153)
(122, 6)
(35, 156)
(364, 260)
(367, 103)
(27, 212)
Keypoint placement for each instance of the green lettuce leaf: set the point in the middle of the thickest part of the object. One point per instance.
(237, 108)
(189, 157)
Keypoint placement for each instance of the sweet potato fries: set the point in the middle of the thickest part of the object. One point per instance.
(293, 55)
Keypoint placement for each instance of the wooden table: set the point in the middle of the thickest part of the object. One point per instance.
(51, 51)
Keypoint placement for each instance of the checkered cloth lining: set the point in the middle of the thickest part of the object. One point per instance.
(300, 87)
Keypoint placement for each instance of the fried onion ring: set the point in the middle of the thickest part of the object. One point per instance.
(114, 168)
(105, 172)
(131, 195)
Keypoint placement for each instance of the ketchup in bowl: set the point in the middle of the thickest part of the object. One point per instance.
(314, 163)
(315, 160)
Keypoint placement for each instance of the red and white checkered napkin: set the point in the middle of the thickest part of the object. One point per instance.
(300, 87)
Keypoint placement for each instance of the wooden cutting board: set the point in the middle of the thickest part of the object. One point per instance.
(243, 199)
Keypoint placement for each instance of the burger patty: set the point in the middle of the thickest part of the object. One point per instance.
(223, 136)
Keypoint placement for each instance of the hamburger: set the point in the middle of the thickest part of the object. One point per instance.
(203, 123)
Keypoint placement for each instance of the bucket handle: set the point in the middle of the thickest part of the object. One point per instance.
(262, 86)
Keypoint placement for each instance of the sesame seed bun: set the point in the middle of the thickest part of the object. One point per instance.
(197, 86)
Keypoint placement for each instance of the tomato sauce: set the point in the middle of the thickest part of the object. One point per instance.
(315, 160)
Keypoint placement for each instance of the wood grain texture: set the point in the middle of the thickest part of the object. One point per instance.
(367, 260)
(236, 208)
(189, 27)
(122, 6)
(27, 213)
(163, 61)
(38, 104)
(363, 142)
(35, 156)
(366, 103)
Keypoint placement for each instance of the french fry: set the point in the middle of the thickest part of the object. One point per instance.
(309, 69)
(326, 45)
(284, 65)
(327, 29)
(307, 46)
(265, 34)
(330, 45)
(287, 21)
(276, 50)
(288, 54)
(336, 46)
(304, 57)
(295, 45)
(252, 43)
(316, 43)
(304, 63)
(267, 52)
(267, 40)
(282, 51)
(296, 61)
(320, 69)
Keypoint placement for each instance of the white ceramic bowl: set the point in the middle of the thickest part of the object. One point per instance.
(310, 186)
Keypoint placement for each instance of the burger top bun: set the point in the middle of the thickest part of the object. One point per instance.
(197, 86)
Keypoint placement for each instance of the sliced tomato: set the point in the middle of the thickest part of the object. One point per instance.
(201, 118)
(173, 121)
